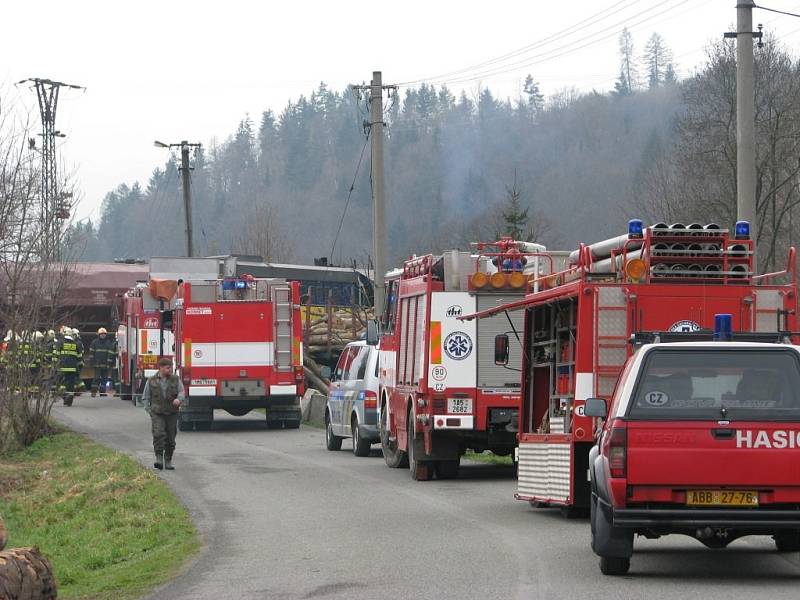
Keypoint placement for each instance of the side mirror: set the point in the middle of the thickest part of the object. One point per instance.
(501, 349)
(372, 333)
(325, 371)
(595, 407)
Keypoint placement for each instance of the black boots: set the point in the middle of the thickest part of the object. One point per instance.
(168, 464)
(159, 463)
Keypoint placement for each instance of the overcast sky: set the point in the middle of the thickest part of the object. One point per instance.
(173, 70)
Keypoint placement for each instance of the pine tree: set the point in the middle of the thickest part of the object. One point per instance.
(535, 98)
(515, 217)
(627, 64)
(657, 57)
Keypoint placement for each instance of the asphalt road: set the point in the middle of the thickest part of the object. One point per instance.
(284, 518)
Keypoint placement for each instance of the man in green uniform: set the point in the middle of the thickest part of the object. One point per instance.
(162, 397)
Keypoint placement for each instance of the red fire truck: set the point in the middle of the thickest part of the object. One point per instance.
(578, 327)
(144, 333)
(443, 392)
(239, 342)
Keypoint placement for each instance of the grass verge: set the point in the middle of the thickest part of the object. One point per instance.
(111, 528)
(490, 458)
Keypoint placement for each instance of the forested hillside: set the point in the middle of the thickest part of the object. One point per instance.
(580, 163)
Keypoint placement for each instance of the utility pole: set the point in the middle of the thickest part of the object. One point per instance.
(55, 205)
(187, 187)
(745, 119)
(376, 126)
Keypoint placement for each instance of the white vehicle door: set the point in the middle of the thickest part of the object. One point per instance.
(337, 391)
(354, 383)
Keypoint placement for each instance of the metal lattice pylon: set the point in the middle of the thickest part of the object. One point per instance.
(54, 203)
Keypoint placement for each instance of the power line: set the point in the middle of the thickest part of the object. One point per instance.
(350, 193)
(574, 28)
(775, 10)
(563, 50)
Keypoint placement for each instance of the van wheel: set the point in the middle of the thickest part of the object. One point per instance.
(392, 455)
(612, 565)
(361, 447)
(420, 470)
(332, 442)
(787, 541)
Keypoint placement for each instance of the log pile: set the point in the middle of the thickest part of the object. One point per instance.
(333, 328)
(314, 378)
(24, 573)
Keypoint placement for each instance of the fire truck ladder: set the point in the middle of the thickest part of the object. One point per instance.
(611, 337)
(282, 297)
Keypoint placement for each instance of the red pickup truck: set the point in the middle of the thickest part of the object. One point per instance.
(701, 438)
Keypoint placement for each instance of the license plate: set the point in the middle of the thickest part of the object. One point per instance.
(459, 406)
(722, 498)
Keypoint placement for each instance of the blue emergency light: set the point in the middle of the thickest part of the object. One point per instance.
(234, 284)
(742, 230)
(723, 328)
(635, 228)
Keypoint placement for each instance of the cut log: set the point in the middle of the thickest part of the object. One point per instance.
(26, 575)
(315, 382)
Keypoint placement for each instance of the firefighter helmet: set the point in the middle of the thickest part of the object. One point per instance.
(101, 331)
(38, 335)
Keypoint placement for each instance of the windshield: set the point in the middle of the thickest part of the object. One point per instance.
(710, 383)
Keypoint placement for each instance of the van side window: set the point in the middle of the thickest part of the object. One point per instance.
(341, 366)
(358, 366)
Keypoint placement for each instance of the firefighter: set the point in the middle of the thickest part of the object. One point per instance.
(49, 360)
(102, 350)
(162, 397)
(70, 362)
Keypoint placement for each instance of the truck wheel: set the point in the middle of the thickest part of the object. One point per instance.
(787, 541)
(420, 470)
(611, 565)
(392, 455)
(447, 469)
(361, 447)
(332, 442)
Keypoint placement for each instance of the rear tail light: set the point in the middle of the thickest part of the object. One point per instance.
(616, 451)
(370, 399)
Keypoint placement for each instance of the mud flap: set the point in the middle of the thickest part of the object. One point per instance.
(609, 541)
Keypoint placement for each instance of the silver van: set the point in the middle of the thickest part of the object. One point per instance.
(352, 409)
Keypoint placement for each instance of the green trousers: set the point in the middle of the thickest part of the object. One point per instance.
(165, 428)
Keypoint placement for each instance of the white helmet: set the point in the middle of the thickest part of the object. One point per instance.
(9, 336)
(38, 335)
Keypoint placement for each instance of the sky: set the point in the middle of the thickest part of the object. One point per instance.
(175, 70)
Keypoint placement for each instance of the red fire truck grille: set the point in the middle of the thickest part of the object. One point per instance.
(439, 405)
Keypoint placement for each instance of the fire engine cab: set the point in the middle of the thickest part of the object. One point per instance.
(239, 347)
(144, 333)
(701, 438)
(577, 327)
(441, 391)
